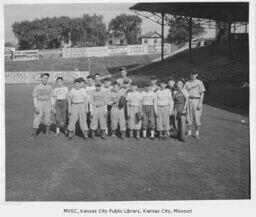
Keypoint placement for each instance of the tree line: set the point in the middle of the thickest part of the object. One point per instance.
(88, 31)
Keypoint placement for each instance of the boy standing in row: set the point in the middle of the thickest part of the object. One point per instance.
(43, 103)
(60, 94)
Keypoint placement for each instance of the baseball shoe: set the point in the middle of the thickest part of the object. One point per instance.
(113, 136)
(197, 137)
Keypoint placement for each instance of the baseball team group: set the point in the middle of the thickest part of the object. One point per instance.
(166, 108)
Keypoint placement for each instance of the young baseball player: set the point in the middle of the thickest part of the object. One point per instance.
(126, 87)
(171, 86)
(44, 104)
(180, 98)
(164, 109)
(123, 76)
(60, 94)
(98, 111)
(117, 113)
(149, 109)
(78, 108)
(133, 99)
(97, 77)
(154, 85)
(107, 88)
(196, 91)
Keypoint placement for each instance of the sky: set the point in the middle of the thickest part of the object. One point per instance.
(16, 13)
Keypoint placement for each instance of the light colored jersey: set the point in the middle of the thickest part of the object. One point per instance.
(121, 80)
(114, 97)
(60, 93)
(148, 98)
(133, 98)
(164, 97)
(43, 92)
(125, 91)
(106, 89)
(89, 89)
(97, 98)
(155, 88)
(78, 96)
(194, 88)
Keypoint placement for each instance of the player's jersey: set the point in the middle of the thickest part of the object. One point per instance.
(164, 97)
(121, 80)
(78, 95)
(148, 98)
(155, 88)
(114, 97)
(89, 89)
(125, 91)
(106, 89)
(133, 98)
(194, 88)
(97, 99)
(60, 93)
(43, 92)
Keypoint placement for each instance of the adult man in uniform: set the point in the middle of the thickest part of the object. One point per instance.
(123, 76)
(195, 89)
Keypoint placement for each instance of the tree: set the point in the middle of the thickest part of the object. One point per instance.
(128, 26)
(179, 30)
(49, 32)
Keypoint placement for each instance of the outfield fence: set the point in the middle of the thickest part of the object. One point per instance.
(112, 50)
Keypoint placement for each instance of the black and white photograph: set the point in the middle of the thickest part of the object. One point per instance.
(127, 101)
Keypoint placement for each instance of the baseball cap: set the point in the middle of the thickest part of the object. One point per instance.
(107, 79)
(77, 80)
(194, 71)
(122, 68)
(153, 78)
(81, 79)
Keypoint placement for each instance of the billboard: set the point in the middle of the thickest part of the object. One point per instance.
(23, 55)
(137, 50)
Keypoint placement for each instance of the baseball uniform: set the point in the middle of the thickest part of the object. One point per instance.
(78, 99)
(60, 95)
(149, 107)
(121, 80)
(107, 91)
(44, 97)
(117, 114)
(194, 88)
(155, 88)
(134, 102)
(98, 104)
(164, 109)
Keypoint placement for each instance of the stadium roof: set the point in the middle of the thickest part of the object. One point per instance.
(151, 34)
(220, 11)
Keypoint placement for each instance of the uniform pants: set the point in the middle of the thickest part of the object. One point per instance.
(98, 118)
(193, 115)
(78, 112)
(44, 107)
(117, 117)
(61, 112)
(133, 123)
(148, 117)
(163, 118)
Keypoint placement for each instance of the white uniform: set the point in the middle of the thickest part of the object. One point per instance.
(195, 89)
(133, 103)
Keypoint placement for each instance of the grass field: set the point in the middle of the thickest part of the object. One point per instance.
(54, 169)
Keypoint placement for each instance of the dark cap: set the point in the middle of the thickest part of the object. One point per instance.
(123, 69)
(107, 79)
(59, 78)
(81, 79)
(116, 83)
(163, 81)
(153, 78)
(194, 71)
(45, 74)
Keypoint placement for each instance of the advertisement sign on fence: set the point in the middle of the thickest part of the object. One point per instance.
(35, 76)
(25, 55)
(137, 50)
(155, 49)
(117, 50)
(85, 52)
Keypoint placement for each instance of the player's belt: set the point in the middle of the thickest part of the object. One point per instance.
(44, 99)
(76, 103)
(194, 97)
(61, 100)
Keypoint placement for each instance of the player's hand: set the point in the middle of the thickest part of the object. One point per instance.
(184, 112)
(36, 111)
(199, 106)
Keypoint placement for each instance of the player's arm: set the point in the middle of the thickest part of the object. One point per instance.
(128, 104)
(171, 102)
(69, 102)
(202, 90)
(34, 94)
(87, 100)
(155, 103)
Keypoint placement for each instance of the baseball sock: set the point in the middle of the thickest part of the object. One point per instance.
(47, 129)
(57, 130)
(34, 132)
(137, 134)
(131, 133)
(93, 134)
(197, 132)
(144, 133)
(189, 132)
(152, 133)
(122, 134)
(113, 133)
